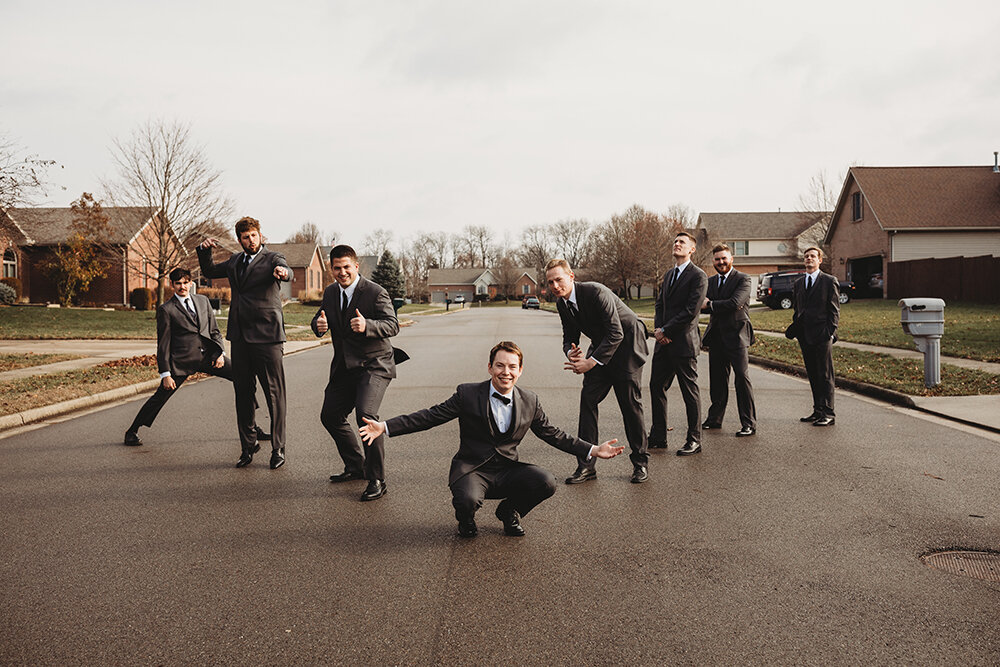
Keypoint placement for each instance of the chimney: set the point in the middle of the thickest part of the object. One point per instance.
(996, 167)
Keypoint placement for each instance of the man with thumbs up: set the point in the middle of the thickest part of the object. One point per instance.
(360, 318)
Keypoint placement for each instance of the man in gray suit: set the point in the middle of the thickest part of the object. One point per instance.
(817, 316)
(728, 336)
(493, 417)
(360, 318)
(613, 361)
(188, 341)
(255, 331)
(678, 343)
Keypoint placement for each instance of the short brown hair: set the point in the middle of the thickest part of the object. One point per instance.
(819, 251)
(341, 251)
(722, 247)
(246, 224)
(507, 346)
(553, 263)
(693, 239)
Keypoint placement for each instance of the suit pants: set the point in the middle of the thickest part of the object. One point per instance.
(597, 382)
(720, 359)
(818, 360)
(361, 391)
(153, 405)
(523, 485)
(265, 362)
(666, 366)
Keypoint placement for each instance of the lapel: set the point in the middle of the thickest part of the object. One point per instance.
(484, 406)
(182, 314)
(201, 308)
(680, 278)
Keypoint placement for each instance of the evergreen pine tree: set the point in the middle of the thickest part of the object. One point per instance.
(388, 275)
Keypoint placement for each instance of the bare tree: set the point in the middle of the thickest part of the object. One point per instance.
(571, 241)
(506, 272)
(22, 176)
(419, 255)
(816, 207)
(377, 242)
(536, 249)
(161, 168)
(310, 232)
(476, 242)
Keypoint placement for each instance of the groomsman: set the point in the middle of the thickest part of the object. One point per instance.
(256, 333)
(728, 336)
(817, 314)
(613, 361)
(678, 343)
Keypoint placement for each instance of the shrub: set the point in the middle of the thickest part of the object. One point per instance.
(311, 297)
(7, 294)
(15, 283)
(142, 298)
(223, 294)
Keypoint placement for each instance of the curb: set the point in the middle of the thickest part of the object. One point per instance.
(73, 405)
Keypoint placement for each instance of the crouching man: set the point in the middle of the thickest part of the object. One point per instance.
(494, 416)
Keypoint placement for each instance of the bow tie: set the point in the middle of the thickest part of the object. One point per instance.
(504, 399)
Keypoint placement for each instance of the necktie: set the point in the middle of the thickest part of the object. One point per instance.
(722, 279)
(503, 399)
(809, 283)
(573, 310)
(244, 263)
(190, 309)
(673, 277)
(343, 305)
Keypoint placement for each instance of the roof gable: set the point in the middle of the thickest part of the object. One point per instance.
(296, 254)
(748, 226)
(51, 226)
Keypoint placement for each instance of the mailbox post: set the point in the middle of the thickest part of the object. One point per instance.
(924, 320)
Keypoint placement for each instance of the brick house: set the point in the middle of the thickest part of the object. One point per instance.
(761, 241)
(306, 262)
(475, 283)
(28, 236)
(898, 214)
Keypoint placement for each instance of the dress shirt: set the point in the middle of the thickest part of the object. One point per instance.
(349, 291)
(183, 301)
(571, 299)
(502, 411)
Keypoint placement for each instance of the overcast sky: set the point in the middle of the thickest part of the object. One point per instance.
(430, 115)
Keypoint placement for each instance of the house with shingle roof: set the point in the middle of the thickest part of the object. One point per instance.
(28, 236)
(761, 241)
(307, 265)
(476, 283)
(897, 214)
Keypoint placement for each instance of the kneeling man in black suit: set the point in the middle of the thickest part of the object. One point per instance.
(494, 417)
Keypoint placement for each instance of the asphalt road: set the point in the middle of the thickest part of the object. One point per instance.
(797, 546)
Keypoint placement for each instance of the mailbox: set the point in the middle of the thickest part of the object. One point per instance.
(924, 320)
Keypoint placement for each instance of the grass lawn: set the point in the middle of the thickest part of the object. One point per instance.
(971, 330)
(12, 362)
(36, 391)
(902, 375)
(34, 322)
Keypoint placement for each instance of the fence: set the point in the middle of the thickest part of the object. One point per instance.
(975, 279)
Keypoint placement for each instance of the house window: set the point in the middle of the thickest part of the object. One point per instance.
(480, 289)
(857, 208)
(9, 263)
(740, 247)
(525, 288)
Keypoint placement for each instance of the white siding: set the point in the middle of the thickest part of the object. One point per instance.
(926, 245)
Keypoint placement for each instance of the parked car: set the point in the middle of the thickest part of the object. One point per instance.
(531, 302)
(774, 289)
(876, 285)
(460, 299)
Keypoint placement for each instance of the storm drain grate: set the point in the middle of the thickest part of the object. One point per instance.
(983, 565)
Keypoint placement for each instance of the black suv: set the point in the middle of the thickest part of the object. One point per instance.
(774, 289)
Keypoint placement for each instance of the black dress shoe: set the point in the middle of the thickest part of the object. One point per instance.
(132, 439)
(247, 457)
(639, 474)
(261, 436)
(582, 475)
(746, 431)
(277, 458)
(656, 444)
(376, 489)
(511, 519)
(811, 418)
(468, 528)
(689, 448)
(346, 476)
(824, 421)
(708, 426)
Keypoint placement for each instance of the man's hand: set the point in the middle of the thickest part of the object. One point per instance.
(358, 322)
(168, 383)
(660, 338)
(208, 243)
(321, 324)
(704, 304)
(220, 362)
(579, 365)
(575, 352)
(373, 429)
(280, 272)
(607, 450)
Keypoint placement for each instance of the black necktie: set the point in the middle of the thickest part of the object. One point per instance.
(573, 310)
(190, 309)
(244, 263)
(809, 283)
(673, 277)
(343, 306)
(722, 279)
(503, 399)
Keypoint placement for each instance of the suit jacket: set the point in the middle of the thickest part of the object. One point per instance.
(478, 438)
(617, 336)
(183, 347)
(255, 314)
(817, 312)
(678, 308)
(729, 324)
(371, 349)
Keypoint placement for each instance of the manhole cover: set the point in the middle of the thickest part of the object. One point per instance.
(983, 565)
